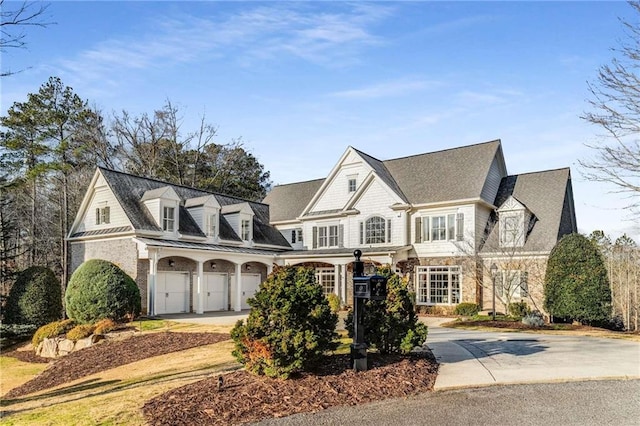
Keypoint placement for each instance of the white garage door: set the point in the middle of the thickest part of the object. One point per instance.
(172, 292)
(215, 291)
(250, 284)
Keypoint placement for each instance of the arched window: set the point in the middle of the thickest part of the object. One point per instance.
(375, 230)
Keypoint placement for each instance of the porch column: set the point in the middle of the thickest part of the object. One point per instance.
(269, 268)
(343, 286)
(151, 283)
(200, 289)
(238, 306)
(337, 280)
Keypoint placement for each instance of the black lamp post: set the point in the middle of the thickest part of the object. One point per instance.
(494, 270)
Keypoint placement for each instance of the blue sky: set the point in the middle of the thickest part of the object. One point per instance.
(301, 81)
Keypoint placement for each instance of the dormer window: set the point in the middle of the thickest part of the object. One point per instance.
(245, 230)
(212, 225)
(168, 219)
(511, 223)
(102, 215)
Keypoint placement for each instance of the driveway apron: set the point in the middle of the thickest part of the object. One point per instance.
(478, 358)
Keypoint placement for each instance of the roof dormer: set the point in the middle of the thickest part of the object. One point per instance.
(240, 217)
(205, 211)
(513, 222)
(164, 205)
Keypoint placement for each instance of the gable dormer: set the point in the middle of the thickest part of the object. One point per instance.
(164, 205)
(513, 223)
(240, 217)
(205, 211)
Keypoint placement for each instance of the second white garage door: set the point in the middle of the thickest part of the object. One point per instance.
(215, 290)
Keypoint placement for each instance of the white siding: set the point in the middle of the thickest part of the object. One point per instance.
(103, 197)
(154, 208)
(447, 248)
(482, 218)
(336, 194)
(287, 234)
(198, 216)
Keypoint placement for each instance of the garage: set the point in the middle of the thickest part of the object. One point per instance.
(215, 289)
(172, 292)
(250, 284)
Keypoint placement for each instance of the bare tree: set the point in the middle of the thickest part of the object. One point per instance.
(13, 22)
(615, 108)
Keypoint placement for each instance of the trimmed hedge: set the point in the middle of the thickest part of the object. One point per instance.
(98, 289)
(576, 282)
(35, 298)
(467, 309)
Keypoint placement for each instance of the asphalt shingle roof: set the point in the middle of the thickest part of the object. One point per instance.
(129, 189)
(547, 195)
(452, 174)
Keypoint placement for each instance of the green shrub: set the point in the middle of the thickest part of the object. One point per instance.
(290, 325)
(519, 309)
(533, 319)
(54, 329)
(99, 289)
(80, 332)
(576, 282)
(104, 326)
(334, 302)
(467, 309)
(35, 298)
(15, 333)
(391, 325)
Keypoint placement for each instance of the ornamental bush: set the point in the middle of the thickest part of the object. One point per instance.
(391, 325)
(80, 331)
(519, 309)
(290, 326)
(54, 329)
(467, 309)
(576, 282)
(35, 298)
(99, 289)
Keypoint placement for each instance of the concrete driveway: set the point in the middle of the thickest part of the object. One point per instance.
(478, 358)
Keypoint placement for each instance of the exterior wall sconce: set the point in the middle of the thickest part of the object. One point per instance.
(172, 263)
(213, 265)
(248, 267)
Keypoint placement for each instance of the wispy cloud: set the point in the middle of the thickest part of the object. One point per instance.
(488, 98)
(387, 89)
(328, 37)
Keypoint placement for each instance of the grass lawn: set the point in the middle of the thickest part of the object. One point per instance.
(114, 396)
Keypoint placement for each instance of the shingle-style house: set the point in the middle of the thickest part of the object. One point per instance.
(441, 219)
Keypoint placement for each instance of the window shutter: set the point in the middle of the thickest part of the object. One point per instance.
(418, 236)
(460, 227)
(98, 216)
(388, 230)
(293, 236)
(361, 233)
(107, 214)
(451, 226)
(426, 232)
(315, 237)
(341, 236)
(524, 284)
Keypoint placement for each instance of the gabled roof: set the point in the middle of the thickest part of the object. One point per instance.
(129, 189)
(452, 174)
(548, 195)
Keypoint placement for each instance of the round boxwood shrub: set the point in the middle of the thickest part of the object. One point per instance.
(35, 298)
(290, 325)
(99, 289)
(466, 309)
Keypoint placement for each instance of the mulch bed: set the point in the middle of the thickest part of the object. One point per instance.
(248, 398)
(107, 355)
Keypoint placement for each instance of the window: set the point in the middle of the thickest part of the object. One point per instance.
(511, 230)
(168, 219)
(212, 224)
(446, 227)
(326, 278)
(327, 236)
(299, 232)
(296, 235)
(352, 185)
(512, 283)
(438, 285)
(102, 215)
(245, 230)
(375, 230)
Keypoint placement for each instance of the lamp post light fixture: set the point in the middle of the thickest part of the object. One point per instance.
(494, 270)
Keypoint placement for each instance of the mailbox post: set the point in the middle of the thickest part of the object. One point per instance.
(364, 288)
